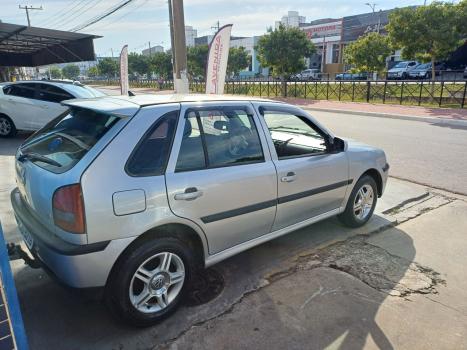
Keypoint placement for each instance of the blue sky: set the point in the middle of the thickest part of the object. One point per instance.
(147, 20)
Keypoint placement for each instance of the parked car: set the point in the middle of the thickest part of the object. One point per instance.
(352, 76)
(29, 105)
(465, 72)
(135, 194)
(401, 70)
(309, 74)
(423, 70)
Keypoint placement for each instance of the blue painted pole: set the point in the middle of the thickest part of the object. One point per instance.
(11, 296)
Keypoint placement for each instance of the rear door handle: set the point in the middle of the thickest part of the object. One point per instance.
(190, 194)
(290, 177)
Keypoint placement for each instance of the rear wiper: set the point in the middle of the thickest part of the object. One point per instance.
(38, 157)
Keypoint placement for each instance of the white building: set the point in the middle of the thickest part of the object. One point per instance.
(153, 49)
(190, 35)
(291, 20)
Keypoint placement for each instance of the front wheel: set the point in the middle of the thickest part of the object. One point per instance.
(361, 203)
(148, 283)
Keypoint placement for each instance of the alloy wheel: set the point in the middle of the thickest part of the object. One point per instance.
(363, 202)
(5, 126)
(157, 282)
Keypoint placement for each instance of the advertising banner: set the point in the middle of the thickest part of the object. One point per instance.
(218, 56)
(124, 85)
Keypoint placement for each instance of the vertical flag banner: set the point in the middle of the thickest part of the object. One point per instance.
(218, 56)
(124, 71)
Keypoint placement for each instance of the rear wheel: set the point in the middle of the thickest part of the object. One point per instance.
(361, 203)
(7, 127)
(148, 283)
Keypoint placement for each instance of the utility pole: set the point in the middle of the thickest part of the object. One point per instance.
(180, 69)
(172, 45)
(217, 26)
(27, 8)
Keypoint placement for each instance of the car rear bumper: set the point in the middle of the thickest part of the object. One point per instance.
(77, 266)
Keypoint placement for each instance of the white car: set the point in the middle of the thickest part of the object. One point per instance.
(29, 105)
(401, 70)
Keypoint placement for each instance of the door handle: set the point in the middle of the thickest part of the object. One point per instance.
(290, 177)
(190, 194)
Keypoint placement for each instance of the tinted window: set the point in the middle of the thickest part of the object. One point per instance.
(219, 137)
(152, 153)
(83, 91)
(20, 90)
(68, 138)
(293, 135)
(52, 93)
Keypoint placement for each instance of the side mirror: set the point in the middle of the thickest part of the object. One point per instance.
(336, 144)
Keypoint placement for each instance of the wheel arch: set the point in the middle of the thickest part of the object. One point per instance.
(181, 231)
(377, 177)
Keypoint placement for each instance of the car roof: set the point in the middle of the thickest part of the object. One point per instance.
(59, 83)
(127, 106)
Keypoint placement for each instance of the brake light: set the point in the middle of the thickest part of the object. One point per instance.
(68, 208)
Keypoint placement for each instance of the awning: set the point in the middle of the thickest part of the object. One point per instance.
(23, 46)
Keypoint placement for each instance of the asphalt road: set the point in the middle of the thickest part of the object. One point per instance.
(422, 152)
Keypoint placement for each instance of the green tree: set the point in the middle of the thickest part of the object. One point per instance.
(428, 33)
(161, 63)
(139, 64)
(93, 72)
(108, 67)
(368, 53)
(55, 72)
(238, 60)
(197, 58)
(284, 51)
(70, 71)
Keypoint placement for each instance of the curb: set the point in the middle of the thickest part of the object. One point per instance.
(432, 120)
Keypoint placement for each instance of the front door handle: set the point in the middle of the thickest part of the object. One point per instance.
(190, 194)
(290, 177)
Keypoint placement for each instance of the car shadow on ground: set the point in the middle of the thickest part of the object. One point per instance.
(57, 318)
(8, 146)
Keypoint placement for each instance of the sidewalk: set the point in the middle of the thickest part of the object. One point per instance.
(454, 116)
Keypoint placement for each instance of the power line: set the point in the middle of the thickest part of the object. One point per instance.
(65, 13)
(64, 10)
(102, 16)
(105, 24)
(79, 11)
(27, 8)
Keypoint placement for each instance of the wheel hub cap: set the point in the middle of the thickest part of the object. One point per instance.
(363, 202)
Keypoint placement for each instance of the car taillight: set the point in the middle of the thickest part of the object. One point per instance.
(68, 208)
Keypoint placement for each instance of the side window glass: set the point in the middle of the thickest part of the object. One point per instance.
(293, 135)
(152, 153)
(231, 137)
(21, 90)
(52, 93)
(191, 155)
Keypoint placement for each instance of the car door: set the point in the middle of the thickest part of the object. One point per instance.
(20, 104)
(220, 175)
(312, 179)
(49, 97)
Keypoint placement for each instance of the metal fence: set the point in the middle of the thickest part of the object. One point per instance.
(415, 92)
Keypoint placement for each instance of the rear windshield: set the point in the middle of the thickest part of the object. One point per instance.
(66, 139)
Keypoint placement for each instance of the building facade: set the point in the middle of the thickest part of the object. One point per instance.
(190, 35)
(153, 49)
(291, 20)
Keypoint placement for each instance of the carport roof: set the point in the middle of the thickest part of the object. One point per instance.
(32, 46)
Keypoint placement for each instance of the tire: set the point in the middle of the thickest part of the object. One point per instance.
(7, 127)
(352, 217)
(125, 287)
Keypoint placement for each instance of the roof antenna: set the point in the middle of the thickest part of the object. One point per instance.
(130, 93)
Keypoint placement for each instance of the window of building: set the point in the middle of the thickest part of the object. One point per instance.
(335, 53)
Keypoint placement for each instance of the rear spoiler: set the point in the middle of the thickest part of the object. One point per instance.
(107, 104)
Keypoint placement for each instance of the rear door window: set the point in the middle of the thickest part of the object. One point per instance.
(52, 93)
(65, 140)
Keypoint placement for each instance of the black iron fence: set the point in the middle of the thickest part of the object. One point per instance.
(415, 92)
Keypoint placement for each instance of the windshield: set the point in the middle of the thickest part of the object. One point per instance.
(401, 65)
(64, 141)
(83, 91)
(424, 66)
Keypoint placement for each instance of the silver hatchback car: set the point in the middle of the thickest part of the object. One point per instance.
(134, 194)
